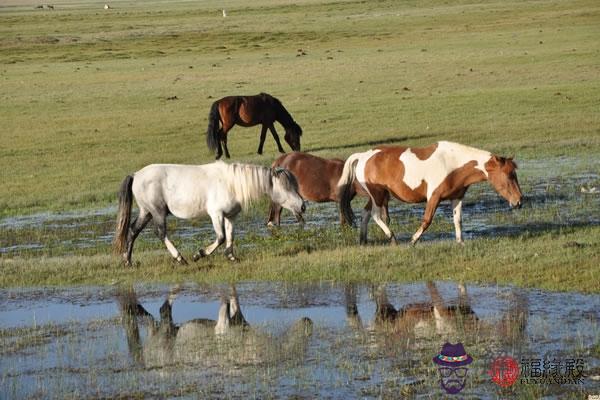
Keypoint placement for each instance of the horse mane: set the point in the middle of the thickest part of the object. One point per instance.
(510, 164)
(248, 182)
(283, 116)
(288, 180)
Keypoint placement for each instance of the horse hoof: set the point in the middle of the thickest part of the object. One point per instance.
(232, 258)
(199, 255)
(393, 240)
(181, 261)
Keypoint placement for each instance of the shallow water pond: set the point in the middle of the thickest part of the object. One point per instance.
(271, 340)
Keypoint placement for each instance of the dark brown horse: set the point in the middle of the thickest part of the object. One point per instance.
(442, 171)
(317, 181)
(261, 109)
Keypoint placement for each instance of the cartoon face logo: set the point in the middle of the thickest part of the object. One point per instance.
(452, 362)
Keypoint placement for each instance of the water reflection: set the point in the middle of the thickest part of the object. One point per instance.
(268, 340)
(438, 317)
(228, 339)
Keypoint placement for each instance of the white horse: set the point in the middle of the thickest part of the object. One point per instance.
(189, 191)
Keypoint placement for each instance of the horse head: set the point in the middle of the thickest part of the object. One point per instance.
(292, 135)
(503, 177)
(285, 191)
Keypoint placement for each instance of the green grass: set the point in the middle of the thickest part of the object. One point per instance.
(84, 91)
(565, 260)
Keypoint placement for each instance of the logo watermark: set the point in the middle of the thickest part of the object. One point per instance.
(505, 371)
(452, 366)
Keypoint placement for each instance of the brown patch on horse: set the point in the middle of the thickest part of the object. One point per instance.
(423, 153)
(456, 183)
(387, 170)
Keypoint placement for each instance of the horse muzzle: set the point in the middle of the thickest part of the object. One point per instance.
(517, 204)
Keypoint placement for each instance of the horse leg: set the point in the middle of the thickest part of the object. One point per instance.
(166, 313)
(227, 125)
(274, 214)
(276, 137)
(457, 218)
(223, 319)
(134, 230)
(342, 216)
(219, 148)
(379, 199)
(229, 239)
(385, 312)
(376, 214)
(263, 137)
(217, 221)
(364, 222)
(225, 146)
(430, 208)
(385, 212)
(235, 311)
(352, 315)
(160, 222)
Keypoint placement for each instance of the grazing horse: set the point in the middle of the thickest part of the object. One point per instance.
(190, 191)
(442, 171)
(317, 181)
(246, 111)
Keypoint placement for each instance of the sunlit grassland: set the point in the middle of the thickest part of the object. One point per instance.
(562, 260)
(85, 92)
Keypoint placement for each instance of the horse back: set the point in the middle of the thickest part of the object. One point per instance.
(414, 174)
(248, 110)
(317, 177)
(183, 190)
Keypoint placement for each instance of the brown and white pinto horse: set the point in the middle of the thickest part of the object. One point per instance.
(317, 181)
(261, 109)
(442, 171)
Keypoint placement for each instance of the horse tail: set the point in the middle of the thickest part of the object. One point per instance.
(123, 215)
(212, 132)
(345, 187)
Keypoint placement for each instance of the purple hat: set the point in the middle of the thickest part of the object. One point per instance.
(453, 355)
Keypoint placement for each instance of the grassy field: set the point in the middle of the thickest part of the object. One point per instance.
(89, 95)
(85, 91)
(563, 260)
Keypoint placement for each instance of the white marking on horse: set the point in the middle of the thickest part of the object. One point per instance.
(446, 158)
(360, 168)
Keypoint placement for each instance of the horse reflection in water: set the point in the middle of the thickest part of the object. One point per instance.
(228, 340)
(438, 317)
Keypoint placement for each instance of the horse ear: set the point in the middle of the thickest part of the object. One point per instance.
(512, 161)
(492, 163)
